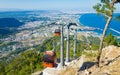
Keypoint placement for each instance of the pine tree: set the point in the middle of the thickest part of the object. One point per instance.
(106, 7)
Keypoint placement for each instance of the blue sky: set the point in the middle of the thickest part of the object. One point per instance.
(85, 5)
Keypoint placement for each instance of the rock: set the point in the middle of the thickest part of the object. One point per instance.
(38, 73)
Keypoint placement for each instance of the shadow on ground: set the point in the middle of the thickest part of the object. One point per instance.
(110, 61)
(87, 65)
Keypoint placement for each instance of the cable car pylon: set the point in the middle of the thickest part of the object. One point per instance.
(68, 41)
(62, 48)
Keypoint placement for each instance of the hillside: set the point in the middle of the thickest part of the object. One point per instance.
(9, 22)
(85, 65)
(9, 25)
(109, 65)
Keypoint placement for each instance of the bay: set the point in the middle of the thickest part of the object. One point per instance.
(98, 22)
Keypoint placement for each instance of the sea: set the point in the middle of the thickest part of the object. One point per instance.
(98, 23)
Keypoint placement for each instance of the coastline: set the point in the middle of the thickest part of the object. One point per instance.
(88, 31)
(96, 28)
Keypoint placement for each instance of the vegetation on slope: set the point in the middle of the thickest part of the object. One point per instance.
(30, 61)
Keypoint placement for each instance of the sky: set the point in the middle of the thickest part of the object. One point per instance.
(84, 5)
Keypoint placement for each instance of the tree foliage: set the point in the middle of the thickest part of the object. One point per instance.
(110, 39)
(118, 18)
(2, 69)
(24, 64)
(104, 8)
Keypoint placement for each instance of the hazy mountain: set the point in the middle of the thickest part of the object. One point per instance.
(9, 22)
(9, 25)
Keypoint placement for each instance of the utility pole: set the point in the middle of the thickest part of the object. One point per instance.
(68, 46)
(62, 48)
(75, 44)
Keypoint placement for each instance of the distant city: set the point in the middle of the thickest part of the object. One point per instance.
(29, 28)
(23, 30)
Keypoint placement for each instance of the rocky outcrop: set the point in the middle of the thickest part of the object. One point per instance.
(110, 54)
(109, 62)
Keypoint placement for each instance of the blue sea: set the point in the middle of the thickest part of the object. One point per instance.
(98, 22)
